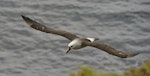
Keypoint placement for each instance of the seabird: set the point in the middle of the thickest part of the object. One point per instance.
(77, 42)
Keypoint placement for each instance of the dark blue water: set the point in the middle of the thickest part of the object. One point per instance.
(122, 24)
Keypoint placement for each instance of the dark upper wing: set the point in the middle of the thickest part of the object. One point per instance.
(109, 49)
(43, 28)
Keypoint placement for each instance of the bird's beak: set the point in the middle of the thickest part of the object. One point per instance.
(68, 49)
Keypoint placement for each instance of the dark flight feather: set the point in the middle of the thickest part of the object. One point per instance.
(109, 49)
(43, 28)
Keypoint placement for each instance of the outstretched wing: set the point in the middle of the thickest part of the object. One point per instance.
(109, 49)
(43, 28)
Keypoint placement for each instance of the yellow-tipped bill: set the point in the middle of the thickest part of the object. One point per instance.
(68, 49)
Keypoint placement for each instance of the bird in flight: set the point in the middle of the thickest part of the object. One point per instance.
(77, 42)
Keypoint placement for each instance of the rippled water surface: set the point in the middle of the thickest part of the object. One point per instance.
(122, 24)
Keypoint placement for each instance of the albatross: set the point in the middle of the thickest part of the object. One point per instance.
(78, 42)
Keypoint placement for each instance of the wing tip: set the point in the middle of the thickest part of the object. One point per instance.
(27, 20)
(24, 17)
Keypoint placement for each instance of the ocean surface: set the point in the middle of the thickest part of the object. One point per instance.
(122, 24)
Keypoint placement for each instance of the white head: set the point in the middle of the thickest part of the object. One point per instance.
(92, 39)
(75, 44)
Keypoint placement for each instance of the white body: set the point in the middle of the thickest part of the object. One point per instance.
(77, 43)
